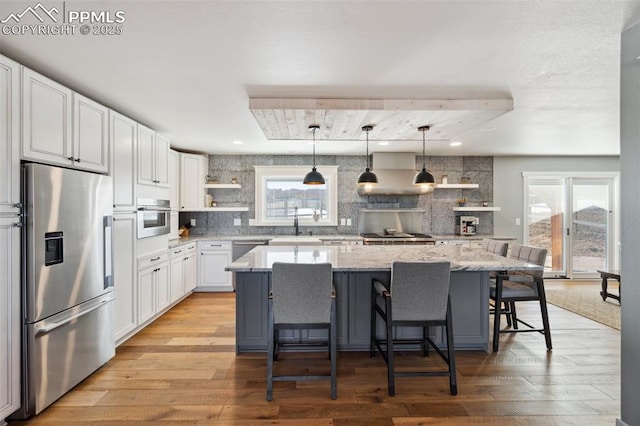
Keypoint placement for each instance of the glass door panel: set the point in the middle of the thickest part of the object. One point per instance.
(545, 221)
(590, 226)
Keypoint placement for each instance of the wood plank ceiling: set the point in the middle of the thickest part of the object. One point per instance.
(393, 119)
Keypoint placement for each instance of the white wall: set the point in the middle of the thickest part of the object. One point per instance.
(630, 239)
(508, 181)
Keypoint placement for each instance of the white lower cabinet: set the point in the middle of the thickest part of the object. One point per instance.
(9, 316)
(153, 285)
(190, 268)
(214, 257)
(177, 273)
(183, 270)
(124, 274)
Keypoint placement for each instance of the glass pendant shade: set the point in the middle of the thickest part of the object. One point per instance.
(367, 177)
(423, 177)
(314, 177)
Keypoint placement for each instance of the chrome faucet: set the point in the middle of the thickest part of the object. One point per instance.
(295, 221)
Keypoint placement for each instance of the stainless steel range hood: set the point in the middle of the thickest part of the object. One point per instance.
(395, 171)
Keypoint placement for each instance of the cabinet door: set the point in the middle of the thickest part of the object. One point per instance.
(90, 135)
(146, 160)
(174, 226)
(163, 286)
(177, 273)
(10, 319)
(162, 161)
(46, 120)
(146, 294)
(212, 276)
(190, 272)
(124, 274)
(191, 182)
(9, 136)
(174, 180)
(123, 139)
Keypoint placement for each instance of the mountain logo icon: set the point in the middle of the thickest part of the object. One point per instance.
(39, 11)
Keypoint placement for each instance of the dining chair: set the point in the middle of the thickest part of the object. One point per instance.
(301, 297)
(418, 296)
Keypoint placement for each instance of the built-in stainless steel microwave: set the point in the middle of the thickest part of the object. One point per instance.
(154, 217)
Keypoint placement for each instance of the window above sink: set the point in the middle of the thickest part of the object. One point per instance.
(279, 190)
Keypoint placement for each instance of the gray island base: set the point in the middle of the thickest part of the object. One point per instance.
(353, 269)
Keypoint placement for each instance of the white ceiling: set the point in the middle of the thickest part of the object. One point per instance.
(188, 68)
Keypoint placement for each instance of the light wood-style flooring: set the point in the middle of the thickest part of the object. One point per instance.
(183, 370)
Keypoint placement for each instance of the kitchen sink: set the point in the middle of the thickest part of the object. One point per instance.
(292, 240)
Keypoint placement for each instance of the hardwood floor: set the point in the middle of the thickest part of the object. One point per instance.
(183, 370)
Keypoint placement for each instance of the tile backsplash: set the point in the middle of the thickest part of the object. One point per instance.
(439, 218)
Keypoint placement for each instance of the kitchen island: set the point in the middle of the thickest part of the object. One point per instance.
(353, 268)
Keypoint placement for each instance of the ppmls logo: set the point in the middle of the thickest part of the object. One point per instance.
(39, 11)
(40, 20)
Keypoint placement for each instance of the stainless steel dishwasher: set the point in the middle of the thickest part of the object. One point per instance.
(240, 247)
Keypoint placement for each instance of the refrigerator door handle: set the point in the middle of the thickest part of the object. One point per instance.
(50, 327)
(107, 231)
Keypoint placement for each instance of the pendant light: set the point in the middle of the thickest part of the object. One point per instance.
(367, 177)
(423, 177)
(314, 177)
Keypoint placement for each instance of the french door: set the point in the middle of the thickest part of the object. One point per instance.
(575, 217)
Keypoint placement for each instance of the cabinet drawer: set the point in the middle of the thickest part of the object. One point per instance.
(153, 259)
(214, 245)
(183, 250)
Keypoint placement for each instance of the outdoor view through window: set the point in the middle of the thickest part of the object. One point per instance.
(284, 195)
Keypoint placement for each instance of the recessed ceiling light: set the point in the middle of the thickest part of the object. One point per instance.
(383, 143)
(238, 142)
(455, 144)
(488, 129)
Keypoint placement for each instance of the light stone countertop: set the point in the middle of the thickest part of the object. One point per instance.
(375, 257)
(347, 237)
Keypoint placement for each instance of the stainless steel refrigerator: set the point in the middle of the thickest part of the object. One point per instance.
(67, 281)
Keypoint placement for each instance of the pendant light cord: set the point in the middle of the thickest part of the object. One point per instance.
(423, 129)
(367, 149)
(314, 147)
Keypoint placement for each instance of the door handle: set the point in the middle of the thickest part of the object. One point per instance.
(107, 258)
(53, 326)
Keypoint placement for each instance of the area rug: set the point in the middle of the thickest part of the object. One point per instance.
(587, 303)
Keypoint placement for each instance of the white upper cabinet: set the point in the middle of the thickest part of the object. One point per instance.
(192, 181)
(162, 160)
(9, 136)
(90, 134)
(153, 158)
(174, 178)
(123, 137)
(62, 127)
(46, 119)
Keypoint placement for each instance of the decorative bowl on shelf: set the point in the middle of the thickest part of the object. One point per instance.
(461, 202)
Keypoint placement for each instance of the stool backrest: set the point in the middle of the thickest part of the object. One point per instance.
(530, 254)
(494, 246)
(419, 290)
(301, 292)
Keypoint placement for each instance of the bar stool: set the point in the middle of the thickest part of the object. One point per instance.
(418, 295)
(302, 297)
(520, 286)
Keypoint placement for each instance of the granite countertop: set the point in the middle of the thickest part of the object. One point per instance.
(375, 258)
(338, 237)
(470, 237)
